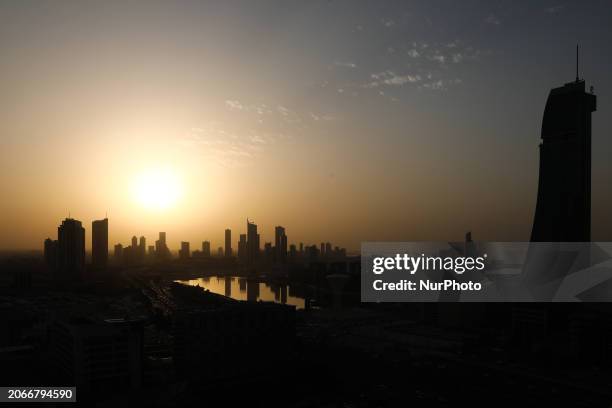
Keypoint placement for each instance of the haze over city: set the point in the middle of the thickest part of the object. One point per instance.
(391, 121)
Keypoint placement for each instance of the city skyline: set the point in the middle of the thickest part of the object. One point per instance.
(99, 248)
(390, 122)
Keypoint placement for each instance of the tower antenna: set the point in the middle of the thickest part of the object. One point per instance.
(577, 77)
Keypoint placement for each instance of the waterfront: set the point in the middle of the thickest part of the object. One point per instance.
(241, 288)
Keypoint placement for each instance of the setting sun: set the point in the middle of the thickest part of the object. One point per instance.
(157, 189)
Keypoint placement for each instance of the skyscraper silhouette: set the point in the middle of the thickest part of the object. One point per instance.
(71, 250)
(252, 242)
(280, 244)
(184, 253)
(142, 248)
(242, 248)
(118, 254)
(161, 248)
(51, 253)
(206, 248)
(563, 210)
(228, 242)
(99, 244)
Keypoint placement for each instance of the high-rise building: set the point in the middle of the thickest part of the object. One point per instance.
(220, 252)
(99, 244)
(228, 242)
(268, 252)
(161, 248)
(51, 253)
(134, 242)
(142, 248)
(118, 254)
(280, 244)
(184, 252)
(71, 250)
(252, 242)
(563, 210)
(206, 248)
(328, 249)
(242, 248)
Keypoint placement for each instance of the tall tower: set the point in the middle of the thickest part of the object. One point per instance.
(563, 210)
(184, 253)
(228, 242)
(280, 244)
(161, 248)
(71, 250)
(99, 243)
(142, 248)
(252, 242)
(206, 248)
(242, 248)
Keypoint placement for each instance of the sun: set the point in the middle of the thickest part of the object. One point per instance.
(157, 188)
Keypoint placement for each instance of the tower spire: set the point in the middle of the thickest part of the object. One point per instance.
(577, 77)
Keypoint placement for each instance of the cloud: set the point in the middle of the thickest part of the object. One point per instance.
(283, 111)
(439, 58)
(258, 139)
(233, 104)
(439, 84)
(412, 65)
(345, 64)
(492, 19)
(458, 57)
(554, 9)
(318, 118)
(455, 51)
(387, 23)
(259, 109)
(249, 130)
(219, 143)
(390, 78)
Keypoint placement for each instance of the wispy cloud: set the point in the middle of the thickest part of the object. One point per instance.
(492, 19)
(454, 51)
(438, 58)
(226, 147)
(439, 84)
(232, 104)
(387, 22)
(248, 131)
(391, 78)
(554, 9)
(457, 57)
(345, 64)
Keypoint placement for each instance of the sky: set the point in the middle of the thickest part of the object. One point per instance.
(344, 121)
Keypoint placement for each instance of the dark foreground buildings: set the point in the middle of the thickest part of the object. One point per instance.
(563, 210)
(99, 355)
